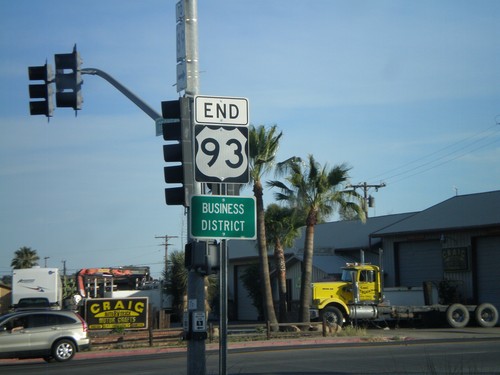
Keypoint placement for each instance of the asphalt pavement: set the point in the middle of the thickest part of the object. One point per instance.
(373, 337)
(382, 336)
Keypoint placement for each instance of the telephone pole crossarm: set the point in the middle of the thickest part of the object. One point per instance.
(367, 199)
(166, 244)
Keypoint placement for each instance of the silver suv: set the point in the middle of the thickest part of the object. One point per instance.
(50, 334)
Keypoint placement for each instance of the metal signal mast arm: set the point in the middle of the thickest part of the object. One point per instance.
(125, 91)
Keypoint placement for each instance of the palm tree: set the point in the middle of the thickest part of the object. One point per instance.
(25, 257)
(263, 144)
(316, 191)
(175, 278)
(176, 282)
(282, 227)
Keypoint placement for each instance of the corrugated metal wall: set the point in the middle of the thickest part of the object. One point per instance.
(488, 276)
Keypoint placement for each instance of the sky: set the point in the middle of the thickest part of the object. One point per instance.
(407, 93)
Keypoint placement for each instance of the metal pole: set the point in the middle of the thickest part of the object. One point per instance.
(125, 91)
(223, 302)
(196, 361)
(191, 12)
(223, 310)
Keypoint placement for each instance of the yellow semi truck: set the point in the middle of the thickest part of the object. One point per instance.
(359, 295)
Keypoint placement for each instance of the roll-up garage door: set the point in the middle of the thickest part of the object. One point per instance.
(488, 276)
(419, 262)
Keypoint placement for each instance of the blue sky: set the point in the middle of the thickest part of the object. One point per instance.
(405, 92)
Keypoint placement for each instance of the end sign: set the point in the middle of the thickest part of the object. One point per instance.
(218, 216)
(220, 110)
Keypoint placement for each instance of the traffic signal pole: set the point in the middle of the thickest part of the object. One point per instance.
(196, 359)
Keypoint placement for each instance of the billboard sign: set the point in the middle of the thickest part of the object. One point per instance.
(113, 313)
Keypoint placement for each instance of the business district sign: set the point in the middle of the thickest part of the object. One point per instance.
(112, 313)
(223, 217)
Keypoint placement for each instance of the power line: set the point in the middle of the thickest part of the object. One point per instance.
(444, 162)
(456, 153)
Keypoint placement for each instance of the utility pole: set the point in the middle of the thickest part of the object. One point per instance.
(64, 276)
(45, 261)
(166, 238)
(368, 200)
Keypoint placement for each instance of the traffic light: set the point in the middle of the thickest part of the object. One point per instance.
(69, 80)
(178, 153)
(42, 91)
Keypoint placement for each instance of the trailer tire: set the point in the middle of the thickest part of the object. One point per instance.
(331, 315)
(457, 315)
(486, 315)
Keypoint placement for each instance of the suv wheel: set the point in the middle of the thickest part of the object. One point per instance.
(63, 350)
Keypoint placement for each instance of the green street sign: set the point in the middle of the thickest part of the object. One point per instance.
(221, 216)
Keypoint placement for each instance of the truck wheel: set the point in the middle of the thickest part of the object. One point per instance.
(332, 315)
(457, 315)
(486, 315)
(63, 350)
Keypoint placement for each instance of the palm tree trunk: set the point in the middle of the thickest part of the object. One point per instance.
(269, 313)
(305, 287)
(279, 259)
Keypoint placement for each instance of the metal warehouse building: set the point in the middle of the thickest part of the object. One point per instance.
(455, 243)
(457, 240)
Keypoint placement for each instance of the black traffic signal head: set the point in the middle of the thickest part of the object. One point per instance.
(41, 73)
(172, 131)
(43, 92)
(69, 80)
(178, 152)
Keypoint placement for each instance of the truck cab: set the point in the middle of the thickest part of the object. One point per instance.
(359, 295)
(355, 296)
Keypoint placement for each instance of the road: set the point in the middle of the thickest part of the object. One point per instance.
(472, 357)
